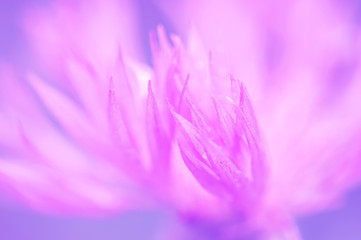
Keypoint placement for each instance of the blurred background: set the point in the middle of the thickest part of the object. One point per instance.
(18, 222)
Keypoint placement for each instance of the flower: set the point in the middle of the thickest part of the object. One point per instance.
(108, 133)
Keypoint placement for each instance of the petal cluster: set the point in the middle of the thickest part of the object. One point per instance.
(94, 130)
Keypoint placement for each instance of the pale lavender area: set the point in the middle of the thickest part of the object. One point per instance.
(340, 223)
(22, 223)
(10, 35)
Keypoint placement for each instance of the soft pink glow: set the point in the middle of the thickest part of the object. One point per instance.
(98, 131)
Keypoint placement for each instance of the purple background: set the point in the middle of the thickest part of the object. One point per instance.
(18, 222)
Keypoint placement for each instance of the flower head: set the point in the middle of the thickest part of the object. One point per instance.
(107, 133)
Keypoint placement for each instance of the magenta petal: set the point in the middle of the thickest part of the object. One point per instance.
(195, 158)
(201, 154)
(158, 141)
(247, 122)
